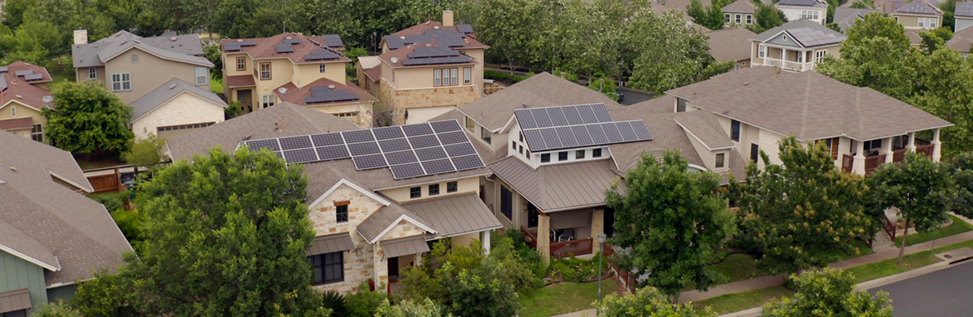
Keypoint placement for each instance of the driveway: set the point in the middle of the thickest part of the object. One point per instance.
(945, 293)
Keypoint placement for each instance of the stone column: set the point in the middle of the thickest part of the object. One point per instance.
(544, 237)
(911, 146)
(597, 226)
(937, 147)
(485, 238)
(418, 259)
(887, 149)
(783, 58)
(381, 277)
(859, 166)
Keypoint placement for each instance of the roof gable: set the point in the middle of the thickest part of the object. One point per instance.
(166, 92)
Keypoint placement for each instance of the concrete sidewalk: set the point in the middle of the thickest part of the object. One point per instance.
(583, 313)
(730, 288)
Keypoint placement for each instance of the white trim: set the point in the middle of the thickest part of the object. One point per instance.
(343, 181)
(463, 233)
(700, 140)
(19, 103)
(436, 181)
(66, 180)
(31, 259)
(395, 223)
(702, 168)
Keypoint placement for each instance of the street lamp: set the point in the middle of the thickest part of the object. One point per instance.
(601, 254)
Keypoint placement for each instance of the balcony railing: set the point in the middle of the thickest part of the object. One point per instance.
(873, 162)
(568, 248)
(789, 65)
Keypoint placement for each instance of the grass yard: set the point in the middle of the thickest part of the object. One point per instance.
(563, 298)
(216, 86)
(958, 226)
(740, 301)
(737, 267)
(913, 261)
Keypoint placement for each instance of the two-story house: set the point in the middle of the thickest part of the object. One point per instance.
(23, 94)
(739, 12)
(917, 16)
(963, 16)
(814, 10)
(795, 46)
(51, 235)
(846, 17)
(138, 69)
(429, 69)
(378, 198)
(296, 68)
(730, 44)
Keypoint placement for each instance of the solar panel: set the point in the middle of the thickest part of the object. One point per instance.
(467, 162)
(601, 112)
(333, 152)
(4, 69)
(292, 41)
(327, 139)
(358, 136)
(22, 73)
(453, 137)
(551, 139)
(332, 40)
(394, 145)
(587, 114)
(581, 134)
(388, 133)
(460, 149)
(270, 144)
(566, 136)
(417, 129)
(625, 129)
(611, 132)
(964, 9)
(445, 126)
(464, 28)
(437, 61)
(401, 157)
(542, 118)
(283, 48)
(407, 170)
(525, 119)
(424, 141)
(438, 166)
(572, 115)
(320, 55)
(300, 156)
(597, 134)
(364, 148)
(368, 162)
(433, 51)
(557, 116)
(431, 153)
(296, 142)
(534, 140)
(33, 77)
(641, 131)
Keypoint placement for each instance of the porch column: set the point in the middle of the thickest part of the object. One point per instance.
(937, 147)
(597, 226)
(911, 146)
(417, 259)
(783, 58)
(381, 268)
(485, 239)
(544, 237)
(887, 149)
(859, 166)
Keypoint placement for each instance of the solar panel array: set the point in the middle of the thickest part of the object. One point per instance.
(809, 37)
(292, 41)
(433, 51)
(436, 61)
(4, 69)
(409, 151)
(320, 55)
(22, 73)
(284, 48)
(236, 46)
(33, 77)
(464, 28)
(325, 94)
(332, 40)
(964, 9)
(444, 37)
(563, 127)
(918, 7)
(807, 3)
(3, 83)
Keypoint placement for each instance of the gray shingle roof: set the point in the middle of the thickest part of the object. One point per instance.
(739, 6)
(846, 17)
(919, 7)
(964, 9)
(704, 127)
(803, 3)
(167, 91)
(182, 48)
(806, 32)
(730, 43)
(962, 41)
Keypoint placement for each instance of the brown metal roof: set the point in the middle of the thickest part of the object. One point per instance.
(404, 246)
(456, 214)
(704, 127)
(382, 219)
(240, 81)
(16, 124)
(558, 187)
(15, 300)
(331, 243)
(730, 43)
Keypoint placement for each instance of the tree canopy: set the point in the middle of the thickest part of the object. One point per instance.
(829, 292)
(86, 118)
(145, 151)
(648, 301)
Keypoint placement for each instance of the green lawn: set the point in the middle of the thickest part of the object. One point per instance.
(958, 226)
(216, 86)
(737, 267)
(562, 298)
(913, 261)
(740, 301)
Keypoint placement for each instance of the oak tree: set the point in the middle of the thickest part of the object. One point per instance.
(829, 292)
(87, 117)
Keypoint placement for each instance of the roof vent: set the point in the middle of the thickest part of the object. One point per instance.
(123, 42)
(96, 45)
(395, 60)
(19, 96)
(173, 38)
(13, 168)
(239, 40)
(288, 37)
(172, 87)
(48, 99)
(402, 37)
(435, 27)
(330, 86)
(428, 45)
(136, 41)
(427, 22)
(746, 84)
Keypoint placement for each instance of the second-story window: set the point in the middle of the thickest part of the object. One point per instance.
(13, 111)
(437, 77)
(467, 75)
(927, 23)
(92, 73)
(452, 187)
(749, 18)
(720, 158)
(341, 212)
(433, 189)
(562, 156)
(545, 158)
(445, 77)
(265, 71)
(680, 105)
(322, 68)
(469, 124)
(415, 192)
(739, 18)
(202, 76)
(268, 100)
(241, 63)
(735, 130)
(486, 135)
(761, 51)
(579, 154)
(121, 81)
(596, 153)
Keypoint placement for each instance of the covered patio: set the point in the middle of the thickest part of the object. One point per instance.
(867, 156)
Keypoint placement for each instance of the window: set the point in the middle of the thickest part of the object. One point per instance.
(927, 23)
(433, 189)
(346, 114)
(579, 154)
(241, 63)
(121, 81)
(680, 105)
(202, 76)
(528, 154)
(322, 68)
(739, 18)
(521, 136)
(469, 123)
(596, 153)
(818, 55)
(513, 145)
(467, 75)
(341, 212)
(531, 216)
(13, 111)
(506, 202)
(92, 73)
(268, 100)
(452, 187)
(809, 14)
(761, 51)
(265, 73)
(454, 77)
(135, 58)
(415, 192)
(37, 133)
(784, 37)
(521, 149)
(184, 127)
(749, 18)
(754, 152)
(735, 130)
(545, 158)
(726, 18)
(437, 75)
(485, 135)
(832, 145)
(328, 267)
(719, 160)
(562, 156)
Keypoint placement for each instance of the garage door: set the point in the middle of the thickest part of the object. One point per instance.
(177, 130)
(420, 115)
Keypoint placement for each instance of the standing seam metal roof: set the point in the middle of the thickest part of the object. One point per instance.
(456, 214)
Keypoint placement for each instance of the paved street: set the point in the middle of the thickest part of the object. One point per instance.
(944, 293)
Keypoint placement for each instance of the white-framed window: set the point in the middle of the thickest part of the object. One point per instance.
(455, 77)
(267, 100)
(13, 111)
(121, 81)
(135, 58)
(927, 23)
(749, 18)
(241, 63)
(346, 114)
(726, 18)
(322, 68)
(720, 160)
(37, 133)
(202, 76)
(784, 37)
(467, 75)
(92, 73)
(809, 14)
(800, 57)
(818, 55)
(437, 77)
(265, 73)
(739, 18)
(761, 51)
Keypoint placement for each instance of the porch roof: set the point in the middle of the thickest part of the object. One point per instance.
(456, 214)
(558, 187)
(330, 243)
(404, 246)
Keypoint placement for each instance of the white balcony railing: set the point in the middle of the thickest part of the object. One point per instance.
(788, 65)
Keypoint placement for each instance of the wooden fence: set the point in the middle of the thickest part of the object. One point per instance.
(105, 180)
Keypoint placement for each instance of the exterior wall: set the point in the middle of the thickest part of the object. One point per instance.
(794, 13)
(81, 74)
(466, 239)
(909, 21)
(364, 109)
(962, 24)
(497, 140)
(403, 229)
(149, 73)
(515, 222)
(186, 108)
(769, 142)
(465, 185)
(307, 73)
(64, 292)
(477, 72)
(23, 111)
(357, 268)
(16, 273)
(281, 73)
(229, 65)
(403, 99)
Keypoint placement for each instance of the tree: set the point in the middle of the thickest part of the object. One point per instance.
(945, 89)
(672, 58)
(86, 118)
(803, 213)
(226, 234)
(674, 219)
(829, 292)
(103, 296)
(935, 39)
(876, 55)
(213, 54)
(648, 301)
(962, 167)
(508, 25)
(145, 151)
(57, 309)
(922, 190)
(766, 17)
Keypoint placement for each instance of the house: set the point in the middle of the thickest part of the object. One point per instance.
(51, 236)
(814, 10)
(795, 46)
(371, 220)
(962, 41)
(304, 70)
(370, 67)
(917, 16)
(963, 16)
(731, 44)
(739, 12)
(554, 147)
(175, 108)
(131, 66)
(863, 127)
(429, 69)
(846, 17)
(23, 94)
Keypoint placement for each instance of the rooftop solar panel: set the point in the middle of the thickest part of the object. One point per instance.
(292, 41)
(437, 61)
(460, 149)
(601, 112)
(464, 28)
(407, 170)
(22, 73)
(386, 133)
(270, 144)
(431, 153)
(417, 129)
(534, 140)
(368, 162)
(438, 166)
(566, 136)
(332, 40)
(401, 157)
(453, 137)
(525, 119)
(445, 126)
(332, 152)
(468, 162)
(557, 116)
(33, 77)
(300, 156)
(296, 142)
(964, 9)
(582, 135)
(625, 129)
(3, 69)
(572, 115)
(327, 139)
(550, 138)
(424, 141)
(283, 48)
(364, 148)
(358, 136)
(394, 145)
(611, 132)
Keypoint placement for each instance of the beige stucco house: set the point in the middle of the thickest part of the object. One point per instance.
(23, 94)
(813, 10)
(305, 70)
(795, 46)
(738, 12)
(175, 108)
(371, 220)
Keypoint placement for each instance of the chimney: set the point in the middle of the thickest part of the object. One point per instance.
(448, 18)
(80, 36)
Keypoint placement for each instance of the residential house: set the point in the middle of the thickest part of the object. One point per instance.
(731, 44)
(304, 70)
(814, 10)
(23, 94)
(795, 46)
(862, 127)
(430, 69)
(371, 68)
(175, 108)
(917, 16)
(554, 148)
(371, 220)
(963, 16)
(739, 12)
(51, 236)
(962, 41)
(846, 17)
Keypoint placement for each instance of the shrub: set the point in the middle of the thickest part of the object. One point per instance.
(112, 201)
(575, 270)
(58, 309)
(364, 302)
(495, 75)
(335, 302)
(129, 222)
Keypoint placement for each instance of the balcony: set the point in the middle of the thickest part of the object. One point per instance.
(788, 65)
(561, 249)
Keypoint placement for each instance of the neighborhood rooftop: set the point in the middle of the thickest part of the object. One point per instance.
(806, 32)
(183, 48)
(297, 47)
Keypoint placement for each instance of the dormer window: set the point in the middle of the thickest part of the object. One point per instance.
(546, 158)
(485, 135)
(562, 156)
(579, 154)
(720, 159)
(596, 153)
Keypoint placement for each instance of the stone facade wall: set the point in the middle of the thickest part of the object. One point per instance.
(184, 109)
(403, 229)
(402, 100)
(357, 268)
(363, 108)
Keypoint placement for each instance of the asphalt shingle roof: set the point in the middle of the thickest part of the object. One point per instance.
(730, 43)
(846, 17)
(167, 91)
(182, 48)
(806, 32)
(919, 7)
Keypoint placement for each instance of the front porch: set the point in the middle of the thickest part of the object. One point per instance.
(869, 155)
(792, 60)
(564, 234)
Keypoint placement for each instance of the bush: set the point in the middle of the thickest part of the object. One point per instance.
(112, 201)
(495, 75)
(59, 309)
(129, 222)
(575, 270)
(364, 302)
(335, 302)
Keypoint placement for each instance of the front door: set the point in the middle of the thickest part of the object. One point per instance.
(246, 101)
(754, 152)
(531, 216)
(393, 267)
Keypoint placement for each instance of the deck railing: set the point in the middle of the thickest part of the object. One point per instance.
(568, 248)
(790, 65)
(873, 162)
(925, 149)
(529, 237)
(847, 162)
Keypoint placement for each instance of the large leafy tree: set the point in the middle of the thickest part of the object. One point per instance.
(673, 219)
(509, 26)
(766, 16)
(803, 213)
(829, 292)
(648, 301)
(86, 117)
(922, 191)
(946, 90)
(672, 57)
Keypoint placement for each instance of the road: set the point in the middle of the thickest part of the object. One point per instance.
(631, 96)
(944, 293)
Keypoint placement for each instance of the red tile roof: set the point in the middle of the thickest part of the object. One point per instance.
(296, 95)
(23, 92)
(16, 124)
(240, 81)
(265, 48)
(22, 65)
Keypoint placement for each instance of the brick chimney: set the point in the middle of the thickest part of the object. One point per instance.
(448, 18)
(80, 36)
